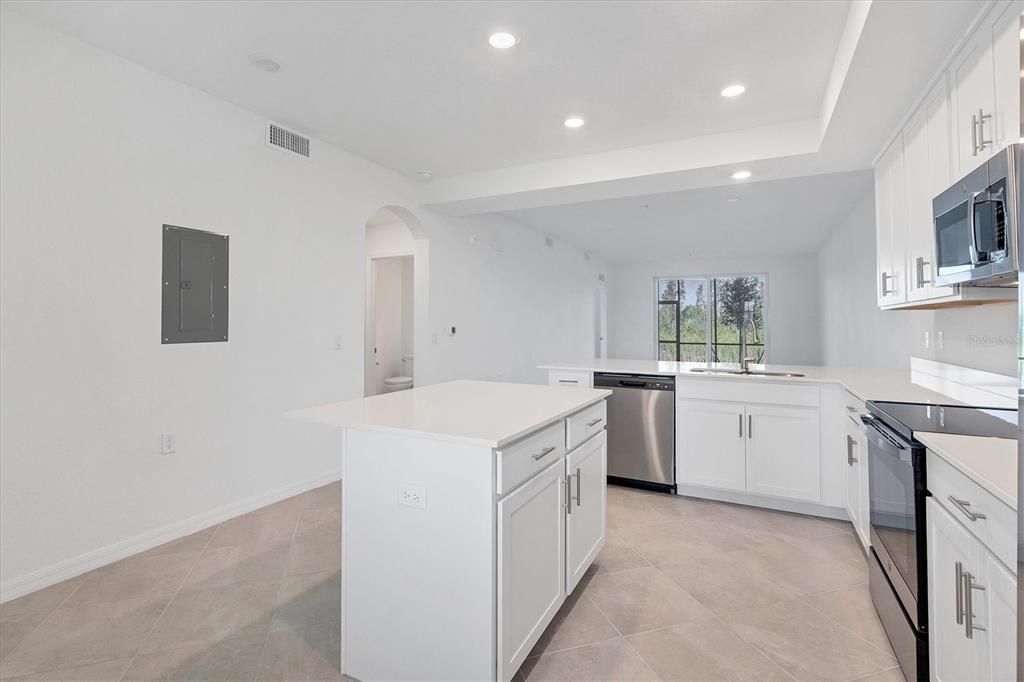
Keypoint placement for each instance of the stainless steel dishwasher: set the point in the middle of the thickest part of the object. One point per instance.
(641, 430)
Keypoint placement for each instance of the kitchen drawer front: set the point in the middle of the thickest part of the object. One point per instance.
(997, 530)
(529, 455)
(585, 423)
(773, 393)
(854, 405)
(564, 377)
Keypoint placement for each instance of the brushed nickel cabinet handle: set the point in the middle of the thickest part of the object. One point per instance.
(741, 424)
(885, 286)
(969, 587)
(568, 494)
(963, 505)
(578, 486)
(982, 142)
(750, 426)
(544, 453)
(974, 134)
(921, 263)
(959, 609)
(595, 422)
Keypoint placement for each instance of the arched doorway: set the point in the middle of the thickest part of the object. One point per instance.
(395, 250)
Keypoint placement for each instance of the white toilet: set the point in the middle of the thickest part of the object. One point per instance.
(400, 383)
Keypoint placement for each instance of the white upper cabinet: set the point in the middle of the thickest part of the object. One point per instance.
(969, 113)
(926, 153)
(890, 225)
(985, 79)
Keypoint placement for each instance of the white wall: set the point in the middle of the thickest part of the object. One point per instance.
(856, 333)
(97, 154)
(791, 313)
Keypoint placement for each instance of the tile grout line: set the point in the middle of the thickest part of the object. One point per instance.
(142, 642)
(890, 652)
(753, 646)
(280, 586)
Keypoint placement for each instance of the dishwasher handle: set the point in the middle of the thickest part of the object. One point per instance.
(627, 383)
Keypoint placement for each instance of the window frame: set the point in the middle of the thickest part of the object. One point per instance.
(708, 344)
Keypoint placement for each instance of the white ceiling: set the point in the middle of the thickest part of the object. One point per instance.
(794, 215)
(414, 85)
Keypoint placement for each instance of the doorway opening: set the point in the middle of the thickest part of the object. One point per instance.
(390, 312)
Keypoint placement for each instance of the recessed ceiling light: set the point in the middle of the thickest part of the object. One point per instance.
(502, 40)
(573, 122)
(425, 174)
(732, 200)
(264, 63)
(741, 175)
(734, 90)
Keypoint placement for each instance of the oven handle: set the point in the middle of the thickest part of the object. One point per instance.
(876, 426)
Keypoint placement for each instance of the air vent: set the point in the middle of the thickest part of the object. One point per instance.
(285, 139)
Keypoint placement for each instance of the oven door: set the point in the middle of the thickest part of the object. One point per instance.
(896, 496)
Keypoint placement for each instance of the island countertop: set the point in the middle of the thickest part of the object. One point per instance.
(478, 412)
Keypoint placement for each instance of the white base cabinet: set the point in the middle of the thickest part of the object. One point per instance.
(461, 583)
(766, 449)
(531, 563)
(972, 604)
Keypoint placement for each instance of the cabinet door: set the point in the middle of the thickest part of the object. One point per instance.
(1003, 27)
(995, 609)
(710, 444)
(927, 169)
(949, 553)
(890, 225)
(973, 91)
(587, 472)
(531, 564)
(784, 452)
(865, 502)
(853, 471)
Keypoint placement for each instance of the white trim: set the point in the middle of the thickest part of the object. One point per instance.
(763, 501)
(970, 386)
(69, 568)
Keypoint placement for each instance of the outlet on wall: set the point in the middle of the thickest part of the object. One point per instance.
(940, 340)
(927, 340)
(412, 496)
(167, 443)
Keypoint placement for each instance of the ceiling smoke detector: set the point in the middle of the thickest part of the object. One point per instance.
(264, 63)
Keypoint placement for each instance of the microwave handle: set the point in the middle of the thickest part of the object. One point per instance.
(973, 247)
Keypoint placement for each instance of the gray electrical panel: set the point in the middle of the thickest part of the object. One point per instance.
(195, 286)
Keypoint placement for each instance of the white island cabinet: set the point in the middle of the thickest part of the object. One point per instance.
(470, 511)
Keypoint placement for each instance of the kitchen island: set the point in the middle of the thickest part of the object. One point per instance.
(470, 510)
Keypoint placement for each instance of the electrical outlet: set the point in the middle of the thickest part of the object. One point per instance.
(337, 342)
(927, 340)
(939, 340)
(472, 239)
(412, 496)
(167, 443)
(450, 331)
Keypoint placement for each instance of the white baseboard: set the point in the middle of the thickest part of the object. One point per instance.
(69, 568)
(763, 501)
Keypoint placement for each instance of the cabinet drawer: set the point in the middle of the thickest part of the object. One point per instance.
(528, 455)
(997, 531)
(773, 393)
(584, 424)
(564, 377)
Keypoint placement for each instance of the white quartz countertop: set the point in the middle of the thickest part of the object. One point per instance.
(479, 412)
(989, 462)
(866, 384)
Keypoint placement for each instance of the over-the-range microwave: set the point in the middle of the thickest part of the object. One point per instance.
(976, 224)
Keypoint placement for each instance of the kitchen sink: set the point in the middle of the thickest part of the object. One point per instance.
(748, 372)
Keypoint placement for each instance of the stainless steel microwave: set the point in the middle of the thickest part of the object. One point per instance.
(976, 224)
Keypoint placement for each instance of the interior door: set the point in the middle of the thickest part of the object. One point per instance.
(949, 550)
(587, 472)
(531, 564)
(710, 444)
(784, 452)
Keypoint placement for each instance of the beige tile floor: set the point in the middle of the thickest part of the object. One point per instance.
(684, 589)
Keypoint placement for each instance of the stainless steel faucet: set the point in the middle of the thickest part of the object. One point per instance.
(744, 360)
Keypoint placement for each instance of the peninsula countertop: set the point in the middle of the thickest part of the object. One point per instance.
(865, 383)
(989, 462)
(479, 412)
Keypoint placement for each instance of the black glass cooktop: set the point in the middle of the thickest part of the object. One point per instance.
(906, 418)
